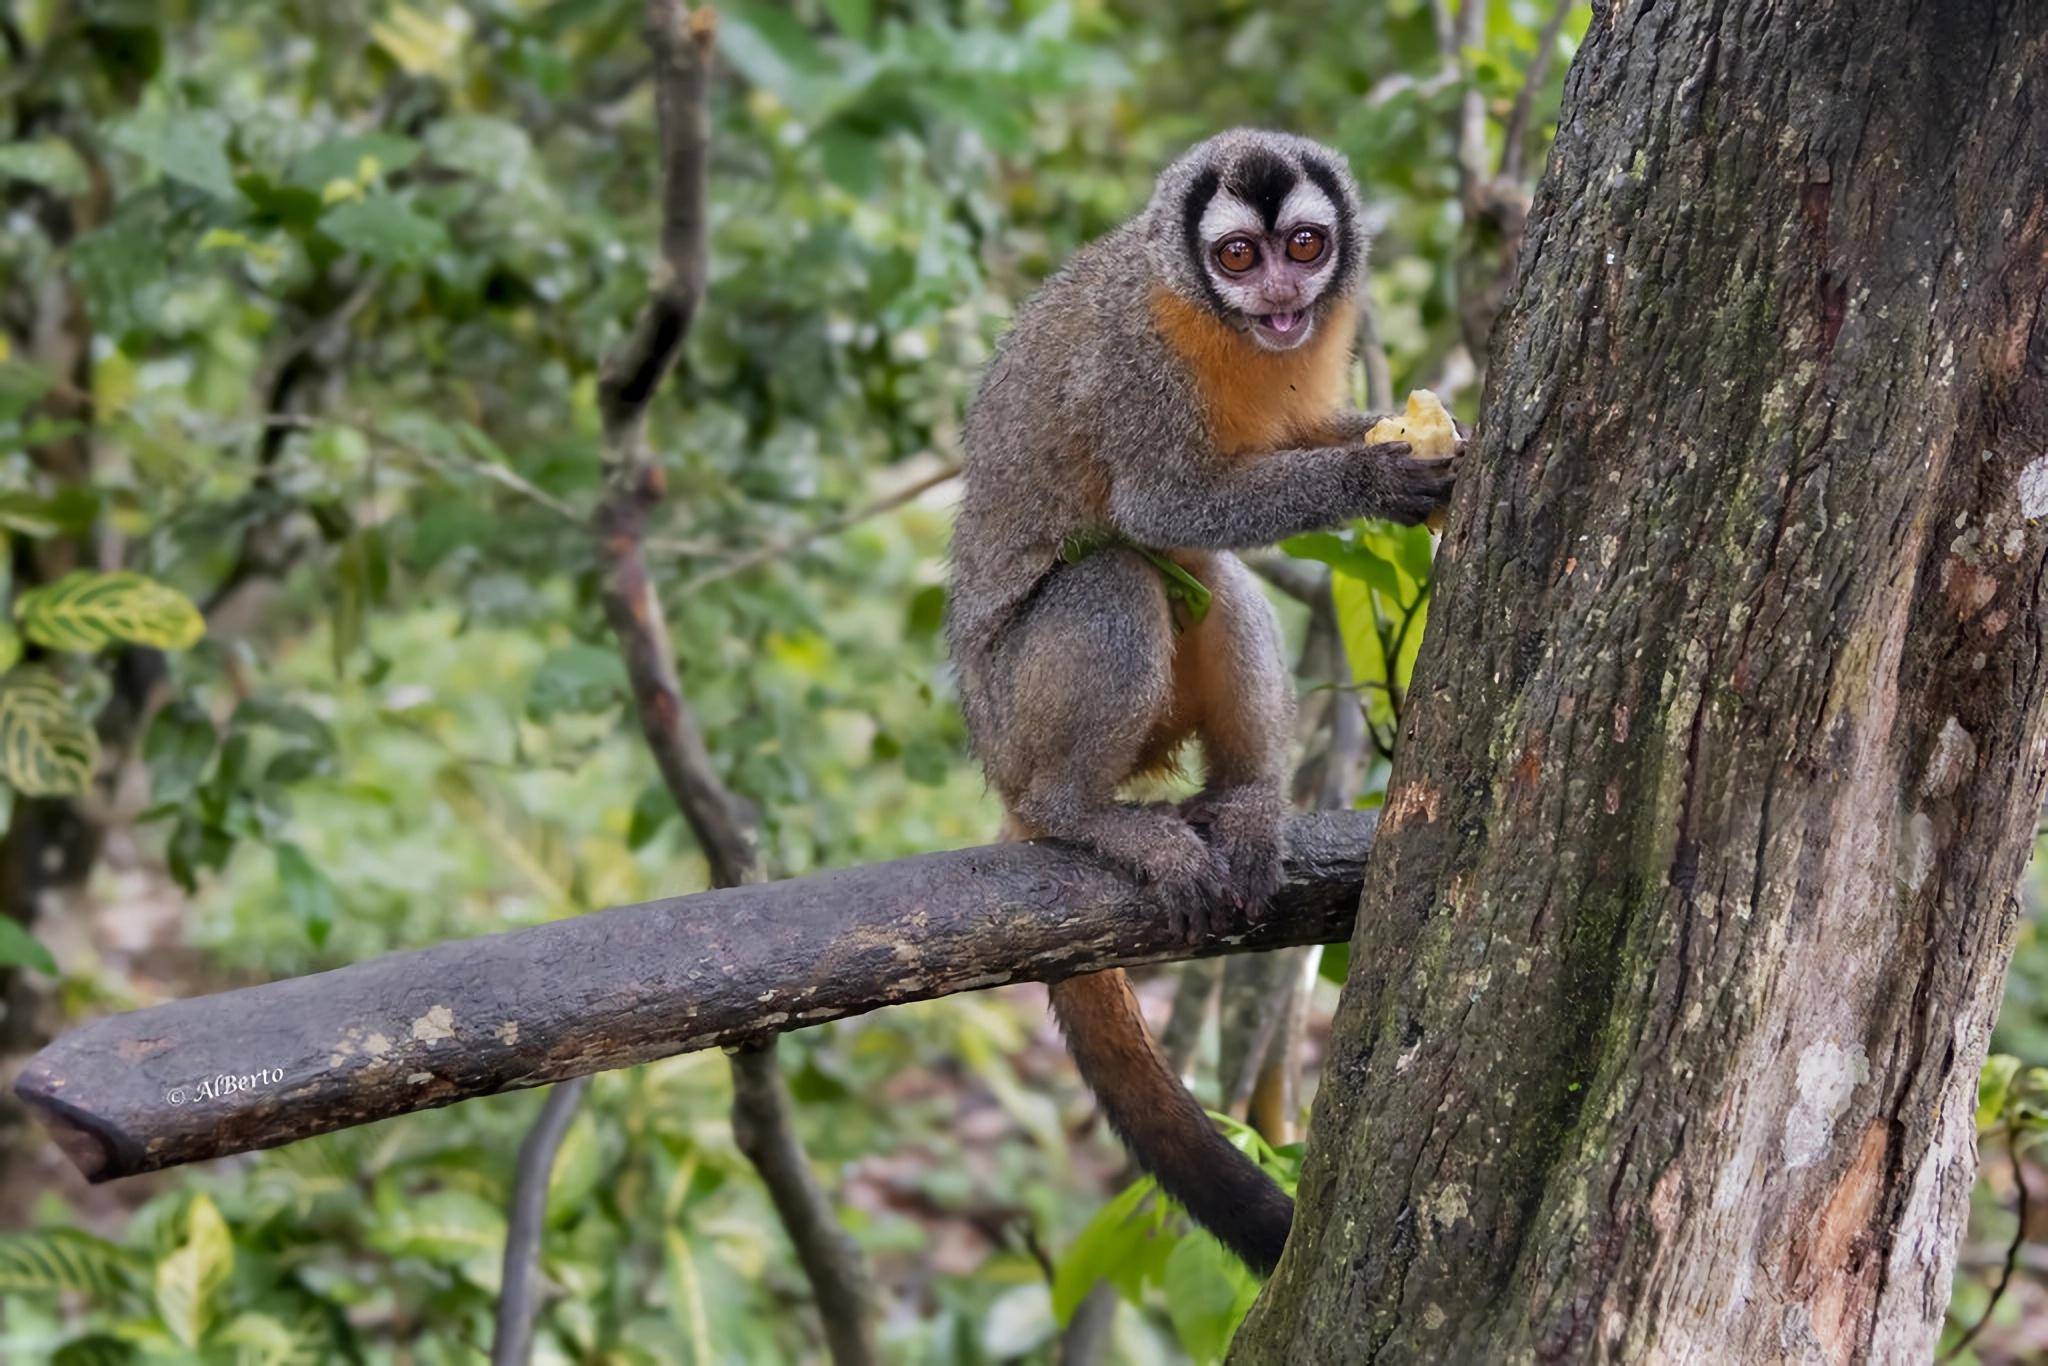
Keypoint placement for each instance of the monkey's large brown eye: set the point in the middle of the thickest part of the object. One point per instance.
(1237, 255)
(1305, 244)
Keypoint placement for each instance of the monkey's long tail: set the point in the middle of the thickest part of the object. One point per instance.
(1165, 1128)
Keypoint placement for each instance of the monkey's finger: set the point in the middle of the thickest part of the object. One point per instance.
(1422, 487)
(1386, 450)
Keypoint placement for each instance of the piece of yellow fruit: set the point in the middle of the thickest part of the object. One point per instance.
(1427, 428)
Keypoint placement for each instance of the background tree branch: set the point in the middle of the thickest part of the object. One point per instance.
(682, 40)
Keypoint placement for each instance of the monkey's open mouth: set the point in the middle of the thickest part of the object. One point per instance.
(1283, 326)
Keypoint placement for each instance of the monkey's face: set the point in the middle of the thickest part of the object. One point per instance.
(1269, 235)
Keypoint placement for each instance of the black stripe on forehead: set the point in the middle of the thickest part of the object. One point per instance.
(1324, 177)
(1262, 180)
(1191, 209)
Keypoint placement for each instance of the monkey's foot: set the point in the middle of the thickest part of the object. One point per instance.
(1187, 872)
(1242, 826)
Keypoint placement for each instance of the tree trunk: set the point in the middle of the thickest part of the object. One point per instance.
(1694, 888)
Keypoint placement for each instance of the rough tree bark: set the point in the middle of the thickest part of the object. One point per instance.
(1693, 895)
(721, 969)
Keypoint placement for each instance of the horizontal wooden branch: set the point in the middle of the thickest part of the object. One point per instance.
(271, 1064)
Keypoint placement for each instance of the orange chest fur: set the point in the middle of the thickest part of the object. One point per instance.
(1254, 399)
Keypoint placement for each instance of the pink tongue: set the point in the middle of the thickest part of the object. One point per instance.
(1282, 322)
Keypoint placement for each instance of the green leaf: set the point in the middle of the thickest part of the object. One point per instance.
(652, 809)
(194, 845)
(19, 948)
(286, 718)
(1994, 1087)
(384, 229)
(771, 48)
(48, 162)
(579, 1165)
(129, 52)
(308, 895)
(1413, 549)
(1111, 1247)
(926, 761)
(10, 646)
(358, 156)
(190, 1278)
(686, 1294)
(47, 748)
(423, 44)
(1207, 1294)
(854, 17)
(241, 244)
(1335, 964)
(1358, 625)
(118, 266)
(1325, 546)
(450, 1227)
(84, 611)
(56, 1260)
(279, 203)
(494, 150)
(576, 678)
(362, 571)
(179, 746)
(185, 144)
(927, 611)
(21, 387)
(95, 1349)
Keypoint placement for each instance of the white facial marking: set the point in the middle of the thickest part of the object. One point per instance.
(1306, 203)
(1225, 215)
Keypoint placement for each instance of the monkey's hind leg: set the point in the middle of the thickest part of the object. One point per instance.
(1235, 685)
(1090, 686)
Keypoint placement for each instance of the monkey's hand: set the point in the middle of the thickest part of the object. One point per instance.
(1414, 489)
(1431, 433)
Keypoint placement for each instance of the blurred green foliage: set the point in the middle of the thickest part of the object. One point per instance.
(303, 305)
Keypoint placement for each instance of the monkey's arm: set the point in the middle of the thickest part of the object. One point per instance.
(1348, 428)
(1206, 501)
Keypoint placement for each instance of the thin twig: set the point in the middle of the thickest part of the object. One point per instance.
(1329, 781)
(783, 546)
(763, 1126)
(1090, 1335)
(516, 1300)
(1192, 995)
(1379, 372)
(1298, 579)
(1446, 28)
(1265, 1001)
(1514, 145)
(449, 466)
(1472, 102)
(682, 40)
(267, 550)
